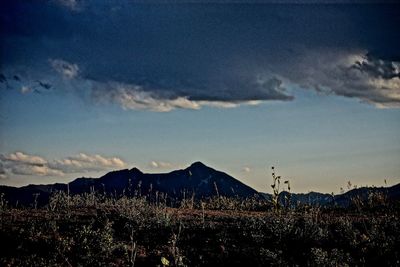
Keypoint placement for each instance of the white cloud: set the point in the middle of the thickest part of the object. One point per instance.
(46, 171)
(20, 163)
(227, 104)
(23, 158)
(218, 104)
(246, 169)
(40, 170)
(160, 164)
(144, 101)
(66, 69)
(85, 163)
(26, 89)
(24, 164)
(134, 97)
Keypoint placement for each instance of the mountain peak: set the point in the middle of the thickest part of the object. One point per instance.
(136, 170)
(198, 164)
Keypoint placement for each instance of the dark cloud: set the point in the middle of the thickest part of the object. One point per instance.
(351, 73)
(44, 85)
(24, 85)
(3, 78)
(378, 68)
(184, 56)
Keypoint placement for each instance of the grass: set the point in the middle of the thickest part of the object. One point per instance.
(94, 230)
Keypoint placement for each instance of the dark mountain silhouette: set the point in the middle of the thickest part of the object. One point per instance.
(364, 193)
(342, 200)
(198, 180)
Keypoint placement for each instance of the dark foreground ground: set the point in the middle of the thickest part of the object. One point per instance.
(132, 232)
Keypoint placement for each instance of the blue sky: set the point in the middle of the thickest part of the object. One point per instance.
(311, 89)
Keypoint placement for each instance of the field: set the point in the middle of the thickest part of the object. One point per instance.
(90, 230)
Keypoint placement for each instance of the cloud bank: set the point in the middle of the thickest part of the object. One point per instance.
(20, 163)
(165, 57)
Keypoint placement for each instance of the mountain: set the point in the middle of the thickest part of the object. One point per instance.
(197, 180)
(342, 200)
(365, 193)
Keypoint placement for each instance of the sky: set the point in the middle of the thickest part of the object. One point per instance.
(313, 89)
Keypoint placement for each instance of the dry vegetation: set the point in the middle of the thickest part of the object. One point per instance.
(94, 230)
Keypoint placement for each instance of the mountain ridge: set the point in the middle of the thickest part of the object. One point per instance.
(197, 180)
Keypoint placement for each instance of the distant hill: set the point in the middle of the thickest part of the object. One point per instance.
(341, 200)
(391, 193)
(197, 180)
